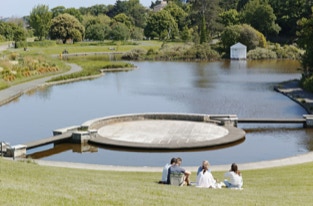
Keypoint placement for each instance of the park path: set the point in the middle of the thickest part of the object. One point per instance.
(299, 159)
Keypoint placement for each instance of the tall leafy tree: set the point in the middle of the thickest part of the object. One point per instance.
(178, 13)
(205, 12)
(62, 10)
(244, 34)
(229, 17)
(66, 26)
(119, 31)
(123, 18)
(56, 11)
(162, 25)
(12, 32)
(260, 15)
(241, 4)
(119, 7)
(97, 27)
(305, 35)
(288, 12)
(137, 12)
(228, 4)
(40, 21)
(96, 10)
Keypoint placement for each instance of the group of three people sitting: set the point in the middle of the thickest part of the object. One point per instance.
(205, 178)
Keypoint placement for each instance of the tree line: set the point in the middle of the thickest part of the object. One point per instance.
(252, 22)
(196, 20)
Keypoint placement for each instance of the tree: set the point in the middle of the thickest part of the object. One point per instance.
(137, 13)
(242, 33)
(205, 11)
(98, 32)
(229, 18)
(65, 27)
(74, 12)
(40, 21)
(241, 4)
(56, 11)
(288, 12)
(6, 30)
(123, 18)
(228, 4)
(119, 7)
(96, 10)
(97, 27)
(203, 31)
(178, 14)
(162, 25)
(305, 35)
(260, 15)
(119, 31)
(12, 32)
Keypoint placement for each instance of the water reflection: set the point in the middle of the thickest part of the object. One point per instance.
(60, 148)
(228, 87)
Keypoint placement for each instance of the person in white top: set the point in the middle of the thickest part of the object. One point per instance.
(205, 178)
(165, 171)
(234, 177)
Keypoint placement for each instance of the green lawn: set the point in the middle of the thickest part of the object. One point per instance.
(84, 47)
(23, 183)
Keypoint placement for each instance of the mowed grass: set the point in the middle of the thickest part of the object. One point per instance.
(23, 183)
(86, 48)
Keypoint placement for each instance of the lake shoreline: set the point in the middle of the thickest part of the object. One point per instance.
(292, 89)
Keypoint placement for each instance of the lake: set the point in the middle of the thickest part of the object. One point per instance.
(244, 88)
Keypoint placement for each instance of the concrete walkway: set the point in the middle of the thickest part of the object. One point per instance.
(300, 159)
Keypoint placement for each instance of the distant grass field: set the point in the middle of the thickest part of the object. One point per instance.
(86, 47)
(23, 183)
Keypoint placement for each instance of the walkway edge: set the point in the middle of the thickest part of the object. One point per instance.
(9, 94)
(299, 159)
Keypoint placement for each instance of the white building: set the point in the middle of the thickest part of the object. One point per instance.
(238, 51)
(160, 6)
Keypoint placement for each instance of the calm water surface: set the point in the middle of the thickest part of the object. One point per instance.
(230, 87)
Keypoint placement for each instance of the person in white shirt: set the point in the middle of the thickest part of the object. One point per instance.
(165, 171)
(205, 178)
(234, 177)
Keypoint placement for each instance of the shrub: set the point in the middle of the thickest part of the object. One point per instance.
(261, 53)
(307, 83)
(201, 52)
(21, 44)
(287, 51)
(13, 56)
(135, 54)
(45, 43)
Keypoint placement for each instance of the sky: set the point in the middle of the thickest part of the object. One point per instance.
(20, 8)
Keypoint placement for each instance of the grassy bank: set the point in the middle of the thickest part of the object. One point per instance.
(23, 183)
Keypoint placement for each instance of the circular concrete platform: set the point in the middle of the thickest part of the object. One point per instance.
(162, 132)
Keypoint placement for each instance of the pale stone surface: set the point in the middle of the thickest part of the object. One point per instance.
(162, 131)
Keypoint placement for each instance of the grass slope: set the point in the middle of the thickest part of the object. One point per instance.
(23, 183)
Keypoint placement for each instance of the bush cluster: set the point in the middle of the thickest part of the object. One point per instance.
(198, 52)
(16, 66)
(286, 51)
(261, 53)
